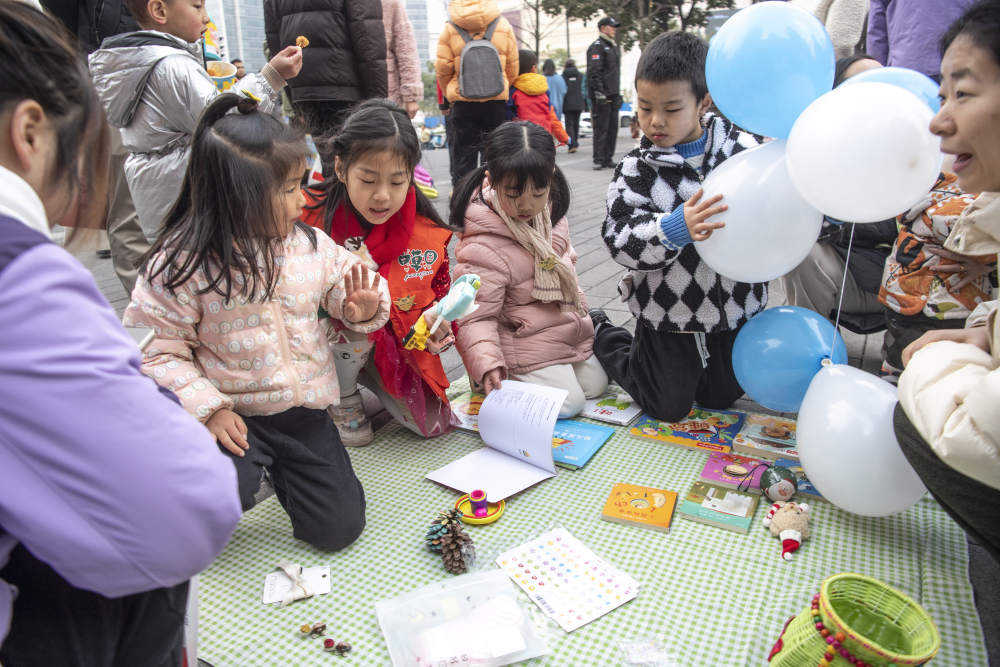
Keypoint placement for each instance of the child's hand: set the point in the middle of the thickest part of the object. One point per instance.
(230, 431)
(288, 62)
(696, 214)
(361, 300)
(491, 380)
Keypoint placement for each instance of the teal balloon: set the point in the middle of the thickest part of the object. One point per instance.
(779, 351)
(767, 64)
(916, 82)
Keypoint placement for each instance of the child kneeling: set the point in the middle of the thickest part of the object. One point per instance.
(532, 323)
(232, 288)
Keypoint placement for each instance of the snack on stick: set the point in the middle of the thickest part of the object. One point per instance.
(301, 42)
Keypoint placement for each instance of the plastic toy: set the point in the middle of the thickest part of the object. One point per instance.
(459, 302)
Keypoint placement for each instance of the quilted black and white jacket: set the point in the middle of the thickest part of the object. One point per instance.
(669, 288)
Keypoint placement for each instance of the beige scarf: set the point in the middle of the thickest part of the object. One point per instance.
(555, 279)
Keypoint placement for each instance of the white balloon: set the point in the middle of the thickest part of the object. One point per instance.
(769, 228)
(847, 444)
(865, 152)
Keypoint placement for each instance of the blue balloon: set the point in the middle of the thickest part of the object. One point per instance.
(778, 352)
(767, 64)
(916, 82)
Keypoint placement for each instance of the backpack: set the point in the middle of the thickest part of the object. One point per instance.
(480, 75)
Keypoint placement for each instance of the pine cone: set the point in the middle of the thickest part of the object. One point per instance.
(439, 526)
(456, 545)
(434, 534)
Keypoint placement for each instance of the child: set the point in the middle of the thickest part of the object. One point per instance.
(372, 206)
(231, 288)
(532, 323)
(687, 316)
(529, 98)
(154, 87)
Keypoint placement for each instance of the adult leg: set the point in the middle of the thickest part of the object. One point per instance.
(468, 137)
(600, 117)
(560, 376)
(312, 475)
(573, 128)
(661, 371)
(592, 377)
(54, 623)
(611, 131)
(972, 504)
(449, 133)
(815, 284)
(719, 388)
(904, 329)
(128, 242)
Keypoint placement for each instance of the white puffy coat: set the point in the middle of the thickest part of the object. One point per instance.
(168, 75)
(951, 391)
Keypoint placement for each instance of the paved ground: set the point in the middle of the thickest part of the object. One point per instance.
(599, 277)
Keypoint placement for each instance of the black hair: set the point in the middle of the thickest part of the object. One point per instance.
(528, 59)
(675, 56)
(374, 126)
(235, 60)
(981, 23)
(40, 61)
(223, 222)
(569, 63)
(549, 68)
(515, 153)
(845, 63)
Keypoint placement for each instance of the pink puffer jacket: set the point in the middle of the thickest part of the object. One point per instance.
(257, 358)
(511, 329)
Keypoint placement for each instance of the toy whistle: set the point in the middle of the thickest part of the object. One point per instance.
(459, 302)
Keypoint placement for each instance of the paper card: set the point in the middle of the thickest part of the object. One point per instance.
(518, 420)
(276, 584)
(499, 475)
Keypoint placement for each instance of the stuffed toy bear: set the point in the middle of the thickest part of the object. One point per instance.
(789, 522)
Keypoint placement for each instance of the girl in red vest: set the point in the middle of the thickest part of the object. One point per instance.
(370, 205)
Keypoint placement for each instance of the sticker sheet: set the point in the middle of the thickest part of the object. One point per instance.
(570, 583)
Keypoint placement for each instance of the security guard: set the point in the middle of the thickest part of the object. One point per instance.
(604, 90)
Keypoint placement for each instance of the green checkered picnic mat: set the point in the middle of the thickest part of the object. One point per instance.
(721, 598)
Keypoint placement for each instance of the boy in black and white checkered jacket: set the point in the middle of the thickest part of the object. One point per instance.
(687, 315)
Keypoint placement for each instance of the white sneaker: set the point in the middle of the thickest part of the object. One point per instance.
(352, 422)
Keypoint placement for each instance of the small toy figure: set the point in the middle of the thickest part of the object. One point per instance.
(778, 483)
(789, 522)
(459, 302)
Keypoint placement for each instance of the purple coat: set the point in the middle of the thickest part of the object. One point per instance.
(907, 33)
(103, 478)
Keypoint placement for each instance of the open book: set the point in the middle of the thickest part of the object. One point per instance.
(516, 423)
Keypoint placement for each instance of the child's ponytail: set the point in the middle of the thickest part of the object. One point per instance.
(467, 190)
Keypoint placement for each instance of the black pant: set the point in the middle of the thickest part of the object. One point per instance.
(473, 121)
(54, 623)
(604, 118)
(322, 118)
(573, 127)
(972, 504)
(449, 135)
(311, 473)
(904, 329)
(663, 371)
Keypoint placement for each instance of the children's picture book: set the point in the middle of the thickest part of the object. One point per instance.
(806, 490)
(641, 506)
(613, 407)
(573, 442)
(767, 437)
(717, 506)
(733, 471)
(570, 583)
(711, 430)
(516, 423)
(466, 407)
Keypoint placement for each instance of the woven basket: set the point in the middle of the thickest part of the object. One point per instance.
(882, 625)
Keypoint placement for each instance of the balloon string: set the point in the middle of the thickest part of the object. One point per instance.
(843, 284)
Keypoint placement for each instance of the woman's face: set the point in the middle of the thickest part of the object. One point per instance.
(524, 206)
(969, 120)
(377, 184)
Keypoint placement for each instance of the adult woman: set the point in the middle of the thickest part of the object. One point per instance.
(94, 503)
(946, 422)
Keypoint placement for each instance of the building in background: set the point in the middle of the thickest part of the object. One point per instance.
(416, 10)
(241, 30)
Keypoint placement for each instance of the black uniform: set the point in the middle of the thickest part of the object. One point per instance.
(573, 104)
(604, 76)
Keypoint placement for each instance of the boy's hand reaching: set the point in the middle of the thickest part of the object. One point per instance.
(695, 215)
(361, 299)
(230, 430)
(288, 63)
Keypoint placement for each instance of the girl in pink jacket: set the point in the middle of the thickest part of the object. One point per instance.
(532, 323)
(232, 288)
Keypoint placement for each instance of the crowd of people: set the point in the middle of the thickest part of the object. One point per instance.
(272, 302)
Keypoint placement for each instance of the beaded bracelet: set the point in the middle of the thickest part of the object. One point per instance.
(835, 643)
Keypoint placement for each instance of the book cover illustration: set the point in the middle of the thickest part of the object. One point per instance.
(767, 437)
(466, 407)
(717, 506)
(733, 471)
(806, 490)
(640, 506)
(573, 442)
(712, 430)
(613, 407)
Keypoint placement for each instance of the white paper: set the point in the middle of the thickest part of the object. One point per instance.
(516, 422)
(614, 410)
(277, 583)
